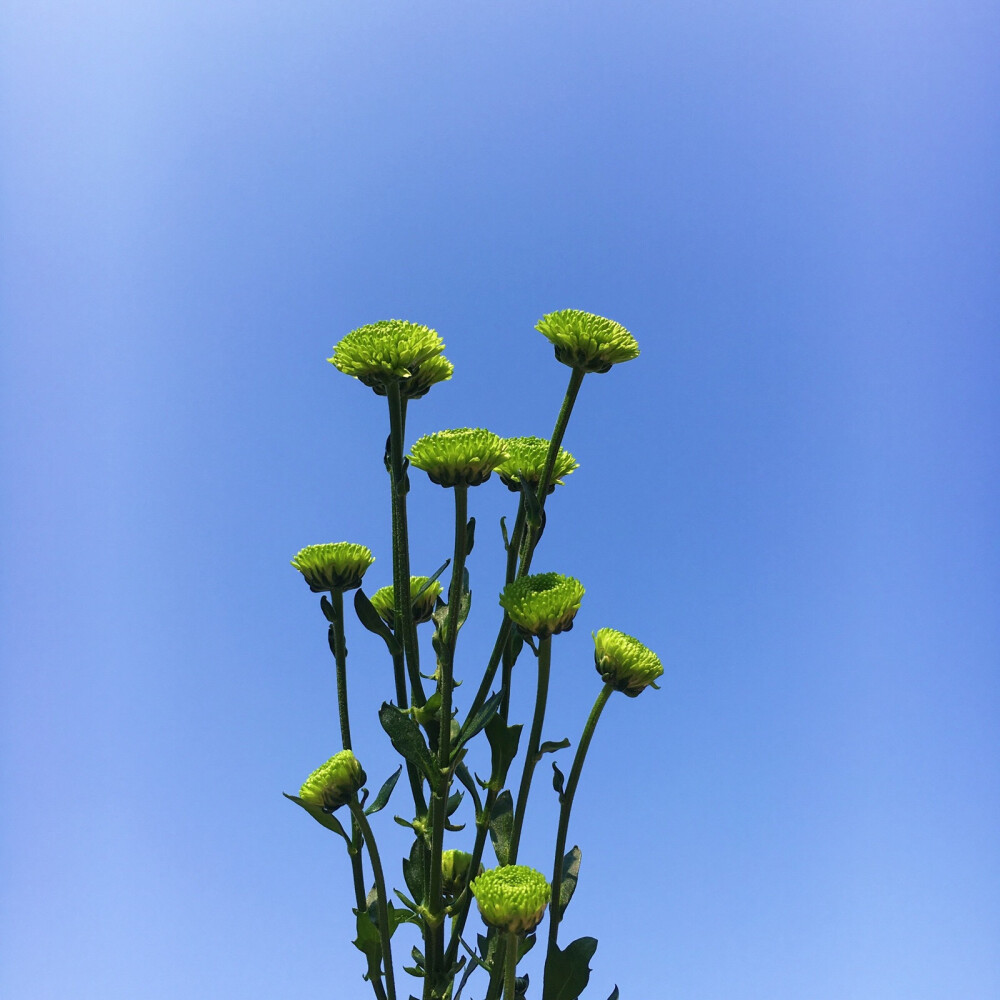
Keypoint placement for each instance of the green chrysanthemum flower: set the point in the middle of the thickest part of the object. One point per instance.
(624, 662)
(334, 566)
(542, 604)
(455, 867)
(393, 350)
(462, 457)
(383, 600)
(526, 457)
(588, 342)
(332, 784)
(512, 898)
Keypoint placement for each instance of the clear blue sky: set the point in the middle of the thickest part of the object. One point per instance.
(793, 495)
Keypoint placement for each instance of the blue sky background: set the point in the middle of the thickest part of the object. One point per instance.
(792, 495)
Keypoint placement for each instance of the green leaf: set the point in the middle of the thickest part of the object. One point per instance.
(520, 987)
(567, 970)
(503, 746)
(614, 993)
(408, 741)
(433, 577)
(470, 535)
(557, 780)
(503, 531)
(550, 746)
(414, 869)
(502, 826)
(478, 722)
(368, 941)
(532, 509)
(526, 943)
(384, 792)
(328, 611)
(454, 801)
(323, 818)
(462, 773)
(570, 876)
(369, 617)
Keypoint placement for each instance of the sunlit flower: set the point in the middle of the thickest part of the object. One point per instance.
(334, 566)
(462, 457)
(587, 342)
(526, 458)
(512, 898)
(624, 662)
(383, 600)
(332, 784)
(542, 604)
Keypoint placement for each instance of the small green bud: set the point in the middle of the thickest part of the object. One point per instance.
(542, 604)
(455, 867)
(462, 457)
(390, 351)
(334, 566)
(332, 784)
(526, 457)
(383, 600)
(587, 342)
(625, 663)
(512, 898)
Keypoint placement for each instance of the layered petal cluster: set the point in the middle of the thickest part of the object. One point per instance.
(422, 597)
(542, 604)
(455, 870)
(393, 350)
(624, 662)
(587, 342)
(526, 460)
(332, 784)
(333, 566)
(512, 897)
(465, 456)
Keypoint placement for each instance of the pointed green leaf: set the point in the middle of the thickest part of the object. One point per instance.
(414, 869)
(503, 746)
(550, 746)
(328, 610)
(454, 801)
(503, 531)
(462, 773)
(570, 876)
(502, 826)
(567, 970)
(407, 739)
(372, 621)
(614, 993)
(323, 818)
(368, 940)
(470, 535)
(557, 780)
(433, 577)
(478, 722)
(384, 792)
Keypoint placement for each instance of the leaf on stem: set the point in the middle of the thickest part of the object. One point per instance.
(570, 876)
(503, 746)
(470, 536)
(550, 746)
(368, 941)
(614, 993)
(384, 792)
(431, 579)
(557, 780)
(463, 775)
(407, 739)
(567, 970)
(414, 870)
(323, 818)
(502, 826)
(477, 723)
(503, 531)
(369, 617)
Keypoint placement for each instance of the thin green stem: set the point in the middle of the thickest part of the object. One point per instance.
(510, 963)
(534, 740)
(340, 655)
(555, 913)
(383, 906)
(509, 657)
(416, 782)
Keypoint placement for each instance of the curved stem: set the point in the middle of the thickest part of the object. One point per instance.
(555, 913)
(510, 963)
(541, 695)
(340, 655)
(383, 907)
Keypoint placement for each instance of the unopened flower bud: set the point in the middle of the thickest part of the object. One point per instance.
(462, 457)
(587, 342)
(383, 600)
(526, 459)
(624, 662)
(542, 604)
(455, 867)
(333, 784)
(391, 351)
(512, 898)
(334, 566)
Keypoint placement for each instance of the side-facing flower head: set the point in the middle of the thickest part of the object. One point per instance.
(384, 601)
(332, 784)
(393, 350)
(542, 604)
(526, 457)
(334, 566)
(512, 898)
(462, 457)
(455, 867)
(588, 342)
(625, 663)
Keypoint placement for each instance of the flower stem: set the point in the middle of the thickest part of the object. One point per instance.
(340, 655)
(541, 695)
(510, 963)
(555, 911)
(385, 932)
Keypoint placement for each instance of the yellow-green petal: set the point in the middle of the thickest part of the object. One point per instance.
(542, 604)
(333, 566)
(587, 342)
(624, 662)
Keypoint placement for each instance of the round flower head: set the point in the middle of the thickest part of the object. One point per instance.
(462, 457)
(526, 457)
(542, 604)
(625, 663)
(393, 350)
(512, 898)
(383, 600)
(588, 342)
(332, 784)
(334, 566)
(455, 867)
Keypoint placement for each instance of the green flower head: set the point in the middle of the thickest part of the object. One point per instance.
(462, 457)
(383, 600)
(332, 784)
(526, 457)
(512, 898)
(455, 867)
(625, 663)
(588, 342)
(542, 604)
(393, 350)
(334, 566)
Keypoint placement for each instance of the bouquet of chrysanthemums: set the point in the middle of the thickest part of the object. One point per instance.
(425, 723)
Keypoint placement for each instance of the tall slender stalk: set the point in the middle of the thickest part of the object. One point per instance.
(510, 966)
(340, 656)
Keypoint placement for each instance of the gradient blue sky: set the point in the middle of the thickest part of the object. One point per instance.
(793, 495)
